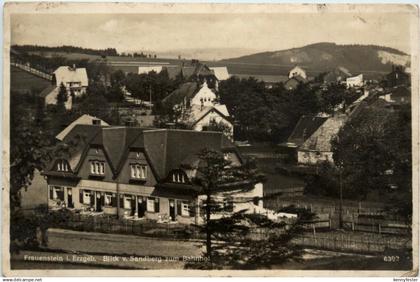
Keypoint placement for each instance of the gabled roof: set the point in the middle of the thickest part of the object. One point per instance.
(165, 149)
(84, 119)
(336, 75)
(221, 73)
(186, 90)
(197, 112)
(68, 74)
(305, 127)
(320, 140)
(50, 88)
(173, 71)
(294, 81)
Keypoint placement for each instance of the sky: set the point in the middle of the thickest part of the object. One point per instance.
(210, 36)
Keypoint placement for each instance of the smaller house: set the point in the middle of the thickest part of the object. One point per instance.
(201, 118)
(148, 69)
(337, 75)
(317, 148)
(84, 119)
(355, 81)
(200, 107)
(297, 71)
(305, 127)
(398, 76)
(292, 83)
(50, 95)
(74, 79)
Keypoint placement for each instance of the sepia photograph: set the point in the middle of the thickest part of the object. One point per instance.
(188, 139)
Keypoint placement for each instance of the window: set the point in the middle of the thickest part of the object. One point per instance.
(62, 165)
(178, 177)
(138, 171)
(57, 193)
(85, 197)
(127, 201)
(152, 204)
(97, 167)
(110, 200)
(183, 208)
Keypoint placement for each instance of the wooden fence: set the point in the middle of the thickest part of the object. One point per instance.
(104, 224)
(32, 70)
(350, 243)
(277, 203)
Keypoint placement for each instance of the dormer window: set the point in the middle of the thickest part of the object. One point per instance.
(62, 165)
(97, 167)
(178, 177)
(138, 171)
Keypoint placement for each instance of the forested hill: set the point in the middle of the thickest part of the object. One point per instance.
(322, 57)
(67, 49)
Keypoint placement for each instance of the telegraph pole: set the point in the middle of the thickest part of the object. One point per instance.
(341, 198)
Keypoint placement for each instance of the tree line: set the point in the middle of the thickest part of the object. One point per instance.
(270, 114)
(67, 49)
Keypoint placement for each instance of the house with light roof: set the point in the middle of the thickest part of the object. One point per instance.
(200, 107)
(74, 79)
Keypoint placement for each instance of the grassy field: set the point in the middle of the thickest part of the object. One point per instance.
(69, 56)
(22, 81)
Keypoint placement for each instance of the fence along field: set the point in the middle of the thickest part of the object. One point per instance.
(332, 240)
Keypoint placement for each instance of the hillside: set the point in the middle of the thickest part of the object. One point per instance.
(25, 82)
(320, 57)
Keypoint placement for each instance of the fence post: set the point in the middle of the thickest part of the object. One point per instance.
(379, 228)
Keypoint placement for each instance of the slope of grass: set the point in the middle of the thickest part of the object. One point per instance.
(22, 81)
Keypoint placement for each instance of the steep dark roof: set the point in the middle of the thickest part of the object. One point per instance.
(188, 71)
(336, 75)
(173, 71)
(165, 149)
(83, 131)
(186, 90)
(305, 127)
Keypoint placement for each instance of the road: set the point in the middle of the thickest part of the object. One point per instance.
(132, 251)
(82, 250)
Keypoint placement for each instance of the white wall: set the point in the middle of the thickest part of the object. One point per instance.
(297, 71)
(312, 157)
(205, 97)
(217, 118)
(355, 81)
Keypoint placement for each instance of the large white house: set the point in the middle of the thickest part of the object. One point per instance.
(204, 97)
(201, 110)
(297, 71)
(355, 81)
(74, 79)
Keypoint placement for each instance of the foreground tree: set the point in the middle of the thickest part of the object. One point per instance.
(374, 150)
(230, 240)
